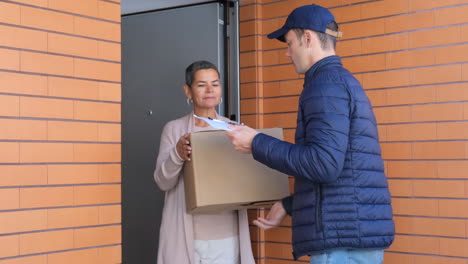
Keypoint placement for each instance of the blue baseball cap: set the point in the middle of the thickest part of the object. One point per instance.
(312, 17)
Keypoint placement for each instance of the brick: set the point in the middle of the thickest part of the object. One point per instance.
(22, 221)
(72, 217)
(452, 54)
(10, 59)
(412, 206)
(97, 236)
(99, 194)
(9, 199)
(464, 72)
(249, 75)
(23, 38)
(401, 187)
(109, 51)
(452, 92)
(377, 97)
(416, 5)
(452, 169)
(363, 28)
(72, 131)
(9, 152)
(109, 11)
(348, 13)
(247, 44)
(45, 107)
(249, 59)
(97, 70)
(412, 169)
(46, 19)
(450, 16)
(97, 111)
(375, 9)
(411, 95)
(282, 104)
(46, 152)
(406, 22)
(415, 244)
(279, 73)
(70, 45)
(19, 83)
(438, 227)
(385, 79)
(109, 173)
(110, 92)
(452, 131)
(438, 150)
(437, 112)
(110, 214)
(20, 129)
(392, 257)
(112, 254)
(425, 38)
(407, 59)
(437, 74)
(97, 152)
(349, 47)
(453, 208)
(109, 133)
(88, 256)
(249, 106)
(41, 3)
(97, 29)
(9, 246)
(289, 87)
(16, 175)
(365, 63)
(248, 12)
(395, 114)
(46, 197)
(248, 28)
(73, 88)
(411, 132)
(46, 241)
(454, 247)
(281, 120)
(46, 63)
(277, 250)
(82, 7)
(40, 259)
(396, 150)
(280, 234)
(9, 13)
(439, 188)
(385, 43)
(73, 174)
(250, 90)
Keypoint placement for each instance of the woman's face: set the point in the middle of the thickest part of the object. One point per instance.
(205, 90)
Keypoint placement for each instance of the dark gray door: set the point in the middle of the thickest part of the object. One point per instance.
(156, 48)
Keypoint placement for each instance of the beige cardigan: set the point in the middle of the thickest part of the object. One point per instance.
(176, 233)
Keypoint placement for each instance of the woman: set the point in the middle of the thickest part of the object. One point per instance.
(196, 239)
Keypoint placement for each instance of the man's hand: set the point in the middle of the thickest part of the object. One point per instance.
(241, 137)
(274, 217)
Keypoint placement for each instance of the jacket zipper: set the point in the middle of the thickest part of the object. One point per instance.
(318, 208)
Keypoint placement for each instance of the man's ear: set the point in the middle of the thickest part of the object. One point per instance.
(309, 37)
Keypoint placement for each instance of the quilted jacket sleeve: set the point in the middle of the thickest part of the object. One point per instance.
(323, 124)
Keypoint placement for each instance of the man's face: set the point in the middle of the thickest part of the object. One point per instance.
(297, 51)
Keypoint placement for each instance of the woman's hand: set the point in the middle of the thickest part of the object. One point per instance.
(274, 217)
(183, 147)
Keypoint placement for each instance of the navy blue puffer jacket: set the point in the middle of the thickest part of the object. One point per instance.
(341, 197)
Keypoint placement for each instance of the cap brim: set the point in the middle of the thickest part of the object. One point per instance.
(278, 34)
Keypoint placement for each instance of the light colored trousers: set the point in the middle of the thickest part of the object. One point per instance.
(223, 251)
(349, 257)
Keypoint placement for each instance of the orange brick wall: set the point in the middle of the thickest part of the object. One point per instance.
(60, 131)
(411, 57)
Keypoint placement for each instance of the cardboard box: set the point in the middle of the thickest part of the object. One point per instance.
(220, 178)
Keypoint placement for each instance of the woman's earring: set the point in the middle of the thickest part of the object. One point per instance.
(189, 101)
(221, 100)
